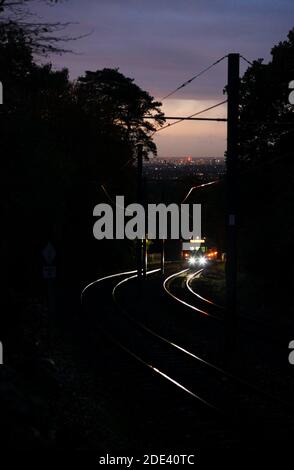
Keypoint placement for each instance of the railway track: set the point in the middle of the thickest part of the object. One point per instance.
(114, 331)
(140, 375)
(237, 400)
(262, 346)
(211, 312)
(222, 373)
(264, 329)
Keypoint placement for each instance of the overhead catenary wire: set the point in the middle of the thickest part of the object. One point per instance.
(183, 118)
(113, 202)
(102, 186)
(191, 116)
(187, 82)
(197, 187)
(246, 60)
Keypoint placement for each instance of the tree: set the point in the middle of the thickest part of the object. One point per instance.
(266, 227)
(41, 37)
(116, 102)
(60, 141)
(266, 116)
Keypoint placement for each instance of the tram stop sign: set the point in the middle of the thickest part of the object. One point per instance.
(49, 255)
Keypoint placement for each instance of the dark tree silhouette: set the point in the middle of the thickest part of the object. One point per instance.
(266, 117)
(60, 141)
(116, 101)
(42, 37)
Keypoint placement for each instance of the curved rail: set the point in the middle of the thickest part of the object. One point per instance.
(192, 355)
(190, 288)
(183, 302)
(131, 353)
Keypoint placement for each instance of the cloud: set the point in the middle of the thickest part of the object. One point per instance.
(162, 43)
(197, 138)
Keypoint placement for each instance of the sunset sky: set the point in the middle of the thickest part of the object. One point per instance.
(162, 43)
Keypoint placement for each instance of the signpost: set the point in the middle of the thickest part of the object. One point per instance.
(49, 255)
(49, 275)
(49, 272)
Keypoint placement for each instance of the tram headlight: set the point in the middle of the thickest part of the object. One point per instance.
(192, 260)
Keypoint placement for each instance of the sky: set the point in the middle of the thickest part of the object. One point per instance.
(162, 43)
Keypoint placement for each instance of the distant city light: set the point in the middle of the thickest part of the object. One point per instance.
(172, 168)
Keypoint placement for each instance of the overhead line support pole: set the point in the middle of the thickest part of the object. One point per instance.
(232, 203)
(140, 200)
